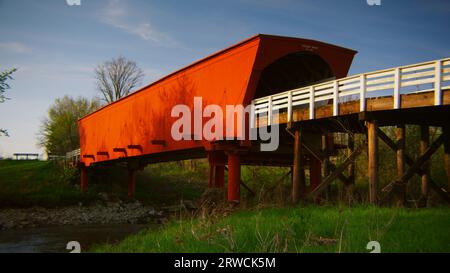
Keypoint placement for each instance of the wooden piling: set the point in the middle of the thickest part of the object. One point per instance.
(326, 162)
(84, 179)
(424, 143)
(211, 180)
(372, 160)
(298, 181)
(131, 182)
(446, 131)
(234, 177)
(401, 189)
(351, 169)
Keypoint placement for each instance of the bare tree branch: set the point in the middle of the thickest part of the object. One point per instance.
(117, 78)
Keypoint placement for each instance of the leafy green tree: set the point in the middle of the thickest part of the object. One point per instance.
(59, 130)
(4, 77)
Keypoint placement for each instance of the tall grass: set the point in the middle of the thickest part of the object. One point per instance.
(300, 229)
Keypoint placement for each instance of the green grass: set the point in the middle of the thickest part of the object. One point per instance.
(41, 183)
(167, 183)
(30, 183)
(299, 229)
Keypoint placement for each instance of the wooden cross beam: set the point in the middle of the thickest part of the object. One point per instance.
(416, 167)
(244, 185)
(410, 162)
(388, 188)
(391, 144)
(336, 173)
(279, 180)
(341, 176)
(317, 154)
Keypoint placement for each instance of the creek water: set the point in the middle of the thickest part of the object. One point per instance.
(55, 239)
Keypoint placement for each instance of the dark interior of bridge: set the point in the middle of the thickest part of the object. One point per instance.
(292, 71)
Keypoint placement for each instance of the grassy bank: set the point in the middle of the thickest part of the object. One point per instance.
(311, 229)
(29, 183)
(41, 183)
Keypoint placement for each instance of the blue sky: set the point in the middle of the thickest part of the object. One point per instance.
(56, 46)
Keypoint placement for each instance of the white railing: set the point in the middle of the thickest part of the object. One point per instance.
(73, 155)
(428, 76)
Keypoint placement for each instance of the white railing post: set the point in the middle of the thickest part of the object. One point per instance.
(437, 83)
(269, 111)
(362, 94)
(397, 85)
(252, 115)
(335, 98)
(289, 107)
(311, 102)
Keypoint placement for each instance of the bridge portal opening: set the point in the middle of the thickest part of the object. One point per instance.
(293, 71)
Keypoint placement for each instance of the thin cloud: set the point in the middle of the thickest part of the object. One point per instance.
(116, 14)
(15, 47)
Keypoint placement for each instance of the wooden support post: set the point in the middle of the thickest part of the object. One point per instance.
(401, 189)
(446, 131)
(349, 187)
(372, 160)
(292, 174)
(298, 181)
(219, 176)
(131, 182)
(234, 177)
(84, 179)
(424, 143)
(211, 180)
(326, 162)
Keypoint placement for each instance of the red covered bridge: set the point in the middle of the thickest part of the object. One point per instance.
(136, 129)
